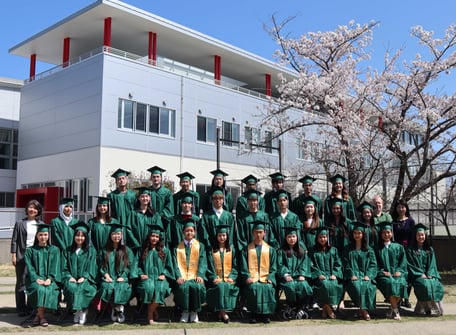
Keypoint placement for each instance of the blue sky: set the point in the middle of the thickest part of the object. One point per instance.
(241, 23)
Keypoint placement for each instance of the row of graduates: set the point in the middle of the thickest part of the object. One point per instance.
(194, 273)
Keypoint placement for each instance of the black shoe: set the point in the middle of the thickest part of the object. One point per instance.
(267, 319)
(22, 314)
(253, 320)
(406, 303)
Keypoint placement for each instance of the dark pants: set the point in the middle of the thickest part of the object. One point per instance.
(21, 296)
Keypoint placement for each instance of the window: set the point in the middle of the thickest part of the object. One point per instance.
(148, 119)
(310, 151)
(207, 129)
(230, 132)
(270, 143)
(252, 136)
(6, 199)
(8, 148)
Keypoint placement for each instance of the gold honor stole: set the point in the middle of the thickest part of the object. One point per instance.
(223, 271)
(260, 273)
(188, 271)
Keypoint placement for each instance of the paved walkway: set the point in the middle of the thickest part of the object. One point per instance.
(10, 322)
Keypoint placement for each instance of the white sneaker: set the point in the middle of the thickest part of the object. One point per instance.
(114, 315)
(396, 315)
(194, 317)
(184, 317)
(121, 315)
(77, 316)
(83, 317)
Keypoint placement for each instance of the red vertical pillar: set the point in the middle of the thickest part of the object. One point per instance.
(107, 32)
(217, 68)
(32, 67)
(267, 79)
(66, 51)
(152, 48)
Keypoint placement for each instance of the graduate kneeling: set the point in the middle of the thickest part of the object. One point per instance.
(191, 266)
(258, 273)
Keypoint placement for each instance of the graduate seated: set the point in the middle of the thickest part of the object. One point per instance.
(190, 273)
(43, 265)
(258, 272)
(222, 292)
(423, 274)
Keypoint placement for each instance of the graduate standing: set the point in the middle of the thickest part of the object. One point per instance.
(258, 274)
(327, 273)
(80, 273)
(423, 274)
(185, 182)
(299, 203)
(392, 270)
(44, 274)
(366, 212)
(99, 225)
(339, 192)
(122, 198)
(218, 181)
(222, 292)
(277, 180)
(311, 222)
(190, 266)
(118, 266)
(155, 272)
(360, 270)
(250, 183)
(61, 231)
(161, 197)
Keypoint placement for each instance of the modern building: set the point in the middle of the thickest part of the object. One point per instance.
(131, 90)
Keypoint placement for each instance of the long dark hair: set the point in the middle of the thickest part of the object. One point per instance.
(295, 250)
(121, 254)
(426, 245)
(215, 243)
(150, 211)
(38, 207)
(85, 244)
(318, 247)
(364, 241)
(146, 247)
(98, 214)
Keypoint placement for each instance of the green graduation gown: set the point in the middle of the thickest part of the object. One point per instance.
(278, 223)
(99, 233)
(361, 263)
(122, 204)
(228, 202)
(79, 265)
(61, 233)
(223, 295)
(423, 262)
(208, 228)
(260, 295)
(296, 291)
(139, 228)
(174, 233)
(190, 295)
(152, 289)
(327, 263)
(339, 234)
(43, 263)
(161, 200)
(242, 206)
(348, 208)
(392, 259)
(244, 228)
(116, 292)
(177, 200)
(270, 202)
(298, 206)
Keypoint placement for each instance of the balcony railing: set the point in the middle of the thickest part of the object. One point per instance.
(162, 63)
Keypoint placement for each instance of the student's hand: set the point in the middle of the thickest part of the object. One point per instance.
(269, 281)
(301, 278)
(40, 281)
(199, 280)
(47, 282)
(120, 279)
(230, 280)
(366, 278)
(332, 277)
(216, 281)
(386, 273)
(288, 278)
(161, 277)
(81, 280)
(180, 280)
(321, 277)
(249, 281)
(143, 277)
(354, 278)
(397, 274)
(72, 280)
(108, 278)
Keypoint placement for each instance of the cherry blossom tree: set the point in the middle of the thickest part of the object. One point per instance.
(362, 115)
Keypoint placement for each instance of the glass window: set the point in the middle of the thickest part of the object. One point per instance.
(207, 129)
(201, 129)
(128, 114)
(230, 132)
(141, 115)
(154, 119)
